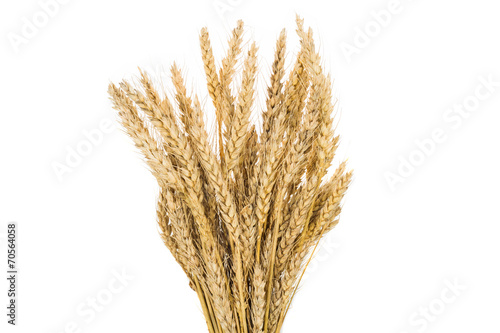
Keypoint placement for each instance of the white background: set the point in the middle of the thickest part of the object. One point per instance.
(395, 248)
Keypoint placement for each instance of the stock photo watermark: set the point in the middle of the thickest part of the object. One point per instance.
(31, 25)
(423, 317)
(327, 247)
(453, 118)
(89, 309)
(76, 154)
(12, 272)
(371, 29)
(223, 7)
(325, 250)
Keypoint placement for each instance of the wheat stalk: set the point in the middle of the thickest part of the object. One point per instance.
(241, 217)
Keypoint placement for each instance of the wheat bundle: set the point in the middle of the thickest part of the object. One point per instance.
(241, 216)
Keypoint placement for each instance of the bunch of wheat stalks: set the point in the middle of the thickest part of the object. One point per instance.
(241, 215)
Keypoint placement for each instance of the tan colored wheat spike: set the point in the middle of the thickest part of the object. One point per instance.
(242, 218)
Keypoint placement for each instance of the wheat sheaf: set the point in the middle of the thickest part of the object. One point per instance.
(242, 213)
